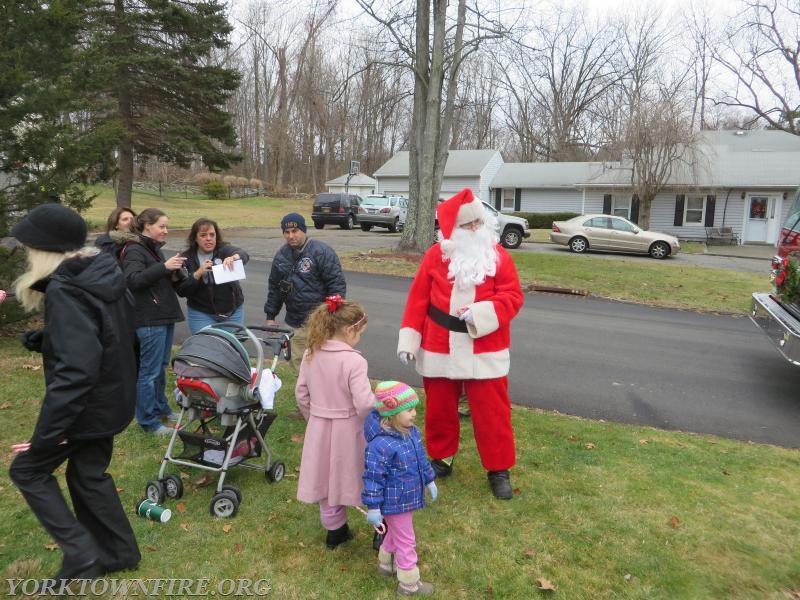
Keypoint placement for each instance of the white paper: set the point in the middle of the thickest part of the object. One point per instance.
(223, 275)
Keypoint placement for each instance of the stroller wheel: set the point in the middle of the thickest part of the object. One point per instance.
(224, 504)
(155, 491)
(233, 489)
(173, 486)
(276, 472)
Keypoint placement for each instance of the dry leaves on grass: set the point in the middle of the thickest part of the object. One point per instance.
(5, 405)
(297, 438)
(181, 507)
(227, 528)
(51, 547)
(674, 522)
(545, 584)
(204, 481)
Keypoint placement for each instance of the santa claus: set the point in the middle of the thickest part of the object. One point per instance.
(456, 326)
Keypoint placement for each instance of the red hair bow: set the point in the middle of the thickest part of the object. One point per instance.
(334, 302)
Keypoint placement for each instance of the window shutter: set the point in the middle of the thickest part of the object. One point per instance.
(711, 202)
(498, 198)
(680, 199)
(517, 199)
(635, 209)
(606, 204)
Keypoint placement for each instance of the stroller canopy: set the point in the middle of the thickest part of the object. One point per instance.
(215, 349)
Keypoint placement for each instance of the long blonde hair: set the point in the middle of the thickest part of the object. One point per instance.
(322, 324)
(41, 264)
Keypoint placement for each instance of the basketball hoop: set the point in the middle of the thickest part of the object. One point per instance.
(355, 167)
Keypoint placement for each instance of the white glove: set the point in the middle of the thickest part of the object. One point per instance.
(467, 317)
(433, 491)
(405, 357)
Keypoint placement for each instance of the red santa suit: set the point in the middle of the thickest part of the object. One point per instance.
(452, 354)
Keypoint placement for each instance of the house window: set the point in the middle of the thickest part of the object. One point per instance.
(621, 207)
(694, 211)
(508, 199)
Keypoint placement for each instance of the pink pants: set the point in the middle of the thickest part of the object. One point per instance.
(400, 540)
(490, 407)
(332, 517)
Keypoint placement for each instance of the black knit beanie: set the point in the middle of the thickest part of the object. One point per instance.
(51, 227)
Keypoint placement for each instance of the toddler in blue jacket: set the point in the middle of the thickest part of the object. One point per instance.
(396, 474)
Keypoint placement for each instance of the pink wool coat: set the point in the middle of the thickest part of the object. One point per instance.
(334, 395)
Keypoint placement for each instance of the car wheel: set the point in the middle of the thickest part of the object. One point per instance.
(365, 227)
(511, 238)
(579, 244)
(318, 225)
(350, 223)
(659, 250)
(393, 226)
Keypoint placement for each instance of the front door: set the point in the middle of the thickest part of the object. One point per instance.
(762, 220)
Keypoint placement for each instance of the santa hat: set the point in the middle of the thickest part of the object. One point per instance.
(462, 208)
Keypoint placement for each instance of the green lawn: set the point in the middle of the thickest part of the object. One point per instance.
(600, 511)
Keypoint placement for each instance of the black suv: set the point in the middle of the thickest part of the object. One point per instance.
(337, 209)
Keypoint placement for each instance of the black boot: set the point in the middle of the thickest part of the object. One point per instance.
(442, 468)
(377, 538)
(337, 537)
(500, 484)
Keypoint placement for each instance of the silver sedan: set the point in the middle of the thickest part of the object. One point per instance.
(614, 234)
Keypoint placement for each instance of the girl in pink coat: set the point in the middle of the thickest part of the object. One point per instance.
(334, 395)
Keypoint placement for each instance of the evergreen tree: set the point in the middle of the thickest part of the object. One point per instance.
(154, 60)
(47, 145)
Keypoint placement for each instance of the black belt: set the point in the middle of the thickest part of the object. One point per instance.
(446, 320)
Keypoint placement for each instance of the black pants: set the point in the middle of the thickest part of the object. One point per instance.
(99, 529)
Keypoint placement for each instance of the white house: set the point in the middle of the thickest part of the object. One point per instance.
(738, 179)
(542, 187)
(473, 169)
(359, 184)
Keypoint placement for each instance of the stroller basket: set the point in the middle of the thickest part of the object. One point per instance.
(203, 448)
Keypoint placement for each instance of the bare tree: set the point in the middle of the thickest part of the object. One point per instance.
(435, 44)
(763, 54)
(554, 82)
(658, 142)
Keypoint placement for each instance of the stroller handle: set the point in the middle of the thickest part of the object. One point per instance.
(277, 342)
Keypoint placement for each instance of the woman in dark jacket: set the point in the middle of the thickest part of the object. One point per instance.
(89, 357)
(151, 277)
(208, 302)
(119, 220)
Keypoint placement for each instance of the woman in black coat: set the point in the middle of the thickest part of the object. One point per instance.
(151, 277)
(118, 223)
(209, 302)
(88, 351)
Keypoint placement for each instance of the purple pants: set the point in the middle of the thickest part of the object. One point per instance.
(332, 517)
(400, 540)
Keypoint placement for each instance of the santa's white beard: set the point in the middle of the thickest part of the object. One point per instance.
(472, 254)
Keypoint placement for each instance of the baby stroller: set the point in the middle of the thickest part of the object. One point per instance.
(218, 388)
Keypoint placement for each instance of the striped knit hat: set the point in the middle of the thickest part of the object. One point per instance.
(394, 397)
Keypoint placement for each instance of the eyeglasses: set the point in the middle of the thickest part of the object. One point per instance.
(472, 225)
